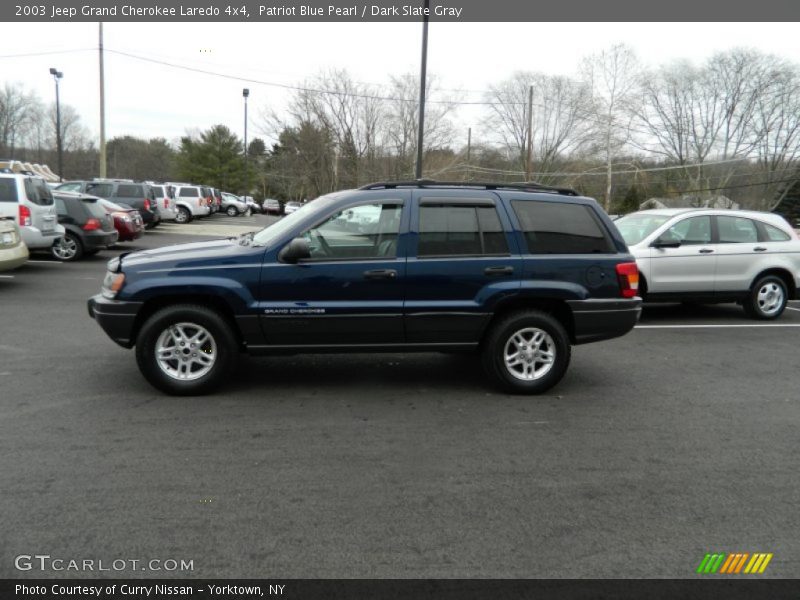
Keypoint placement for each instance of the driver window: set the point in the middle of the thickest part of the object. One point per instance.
(357, 232)
(694, 230)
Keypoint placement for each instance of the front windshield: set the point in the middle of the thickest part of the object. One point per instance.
(276, 231)
(637, 226)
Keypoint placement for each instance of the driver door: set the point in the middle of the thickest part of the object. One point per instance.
(690, 267)
(350, 292)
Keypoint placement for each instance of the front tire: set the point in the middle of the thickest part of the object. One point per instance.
(526, 352)
(186, 350)
(767, 298)
(69, 248)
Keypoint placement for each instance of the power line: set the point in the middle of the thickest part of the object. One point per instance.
(47, 53)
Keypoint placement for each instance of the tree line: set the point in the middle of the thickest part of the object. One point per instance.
(618, 130)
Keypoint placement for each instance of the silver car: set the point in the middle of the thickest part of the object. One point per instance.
(752, 258)
(29, 201)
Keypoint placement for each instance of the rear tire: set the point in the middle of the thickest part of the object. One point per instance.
(69, 248)
(232, 212)
(526, 352)
(182, 216)
(767, 298)
(186, 350)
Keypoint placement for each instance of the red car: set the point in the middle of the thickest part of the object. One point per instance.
(127, 221)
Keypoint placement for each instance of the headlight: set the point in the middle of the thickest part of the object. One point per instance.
(112, 284)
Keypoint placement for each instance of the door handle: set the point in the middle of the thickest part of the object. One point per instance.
(496, 271)
(380, 274)
(759, 249)
(706, 250)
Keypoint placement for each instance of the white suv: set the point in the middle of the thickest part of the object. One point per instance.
(190, 202)
(704, 255)
(28, 200)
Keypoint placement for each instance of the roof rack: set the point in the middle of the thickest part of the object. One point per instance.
(528, 186)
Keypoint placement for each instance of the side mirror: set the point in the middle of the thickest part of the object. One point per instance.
(666, 243)
(295, 251)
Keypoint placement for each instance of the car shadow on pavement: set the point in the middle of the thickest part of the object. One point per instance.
(411, 372)
(688, 312)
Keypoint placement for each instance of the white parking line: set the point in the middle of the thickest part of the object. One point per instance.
(6, 277)
(47, 262)
(792, 308)
(720, 326)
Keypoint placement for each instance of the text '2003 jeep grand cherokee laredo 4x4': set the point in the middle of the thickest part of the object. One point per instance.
(516, 272)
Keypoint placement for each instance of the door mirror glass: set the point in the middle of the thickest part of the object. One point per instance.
(295, 251)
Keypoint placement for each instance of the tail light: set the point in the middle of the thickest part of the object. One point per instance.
(25, 216)
(166, 202)
(147, 204)
(628, 274)
(92, 224)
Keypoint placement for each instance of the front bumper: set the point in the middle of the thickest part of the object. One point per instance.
(116, 317)
(603, 318)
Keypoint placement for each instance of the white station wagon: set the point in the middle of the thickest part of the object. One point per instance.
(705, 255)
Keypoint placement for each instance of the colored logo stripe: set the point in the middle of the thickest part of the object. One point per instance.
(734, 562)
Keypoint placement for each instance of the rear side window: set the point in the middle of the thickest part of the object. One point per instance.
(736, 230)
(104, 190)
(93, 207)
(37, 192)
(560, 228)
(61, 207)
(8, 190)
(453, 230)
(188, 193)
(130, 191)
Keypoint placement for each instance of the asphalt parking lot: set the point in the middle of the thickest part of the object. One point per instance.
(674, 441)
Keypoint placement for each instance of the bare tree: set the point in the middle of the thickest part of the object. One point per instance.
(402, 122)
(612, 76)
(18, 114)
(561, 117)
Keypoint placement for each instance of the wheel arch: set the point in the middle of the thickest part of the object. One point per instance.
(209, 301)
(784, 274)
(556, 307)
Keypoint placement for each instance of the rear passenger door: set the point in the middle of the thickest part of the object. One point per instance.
(738, 251)
(461, 255)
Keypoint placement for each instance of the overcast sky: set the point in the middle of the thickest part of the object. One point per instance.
(147, 99)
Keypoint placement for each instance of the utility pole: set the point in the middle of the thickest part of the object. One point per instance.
(422, 78)
(57, 75)
(530, 135)
(245, 94)
(469, 143)
(102, 108)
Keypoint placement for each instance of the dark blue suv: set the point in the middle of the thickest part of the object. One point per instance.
(515, 272)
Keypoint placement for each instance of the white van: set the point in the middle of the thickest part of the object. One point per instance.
(28, 200)
(190, 202)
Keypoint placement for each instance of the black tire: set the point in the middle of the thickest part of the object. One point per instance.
(232, 212)
(182, 216)
(68, 250)
(494, 346)
(766, 299)
(189, 318)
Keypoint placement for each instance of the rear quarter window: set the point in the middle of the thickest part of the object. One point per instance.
(93, 207)
(773, 234)
(130, 191)
(37, 192)
(561, 228)
(8, 190)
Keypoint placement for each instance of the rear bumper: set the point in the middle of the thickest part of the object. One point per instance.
(35, 239)
(100, 240)
(603, 319)
(117, 318)
(11, 258)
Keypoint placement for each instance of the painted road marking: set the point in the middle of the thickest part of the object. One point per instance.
(715, 326)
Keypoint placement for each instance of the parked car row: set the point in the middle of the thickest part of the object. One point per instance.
(78, 218)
